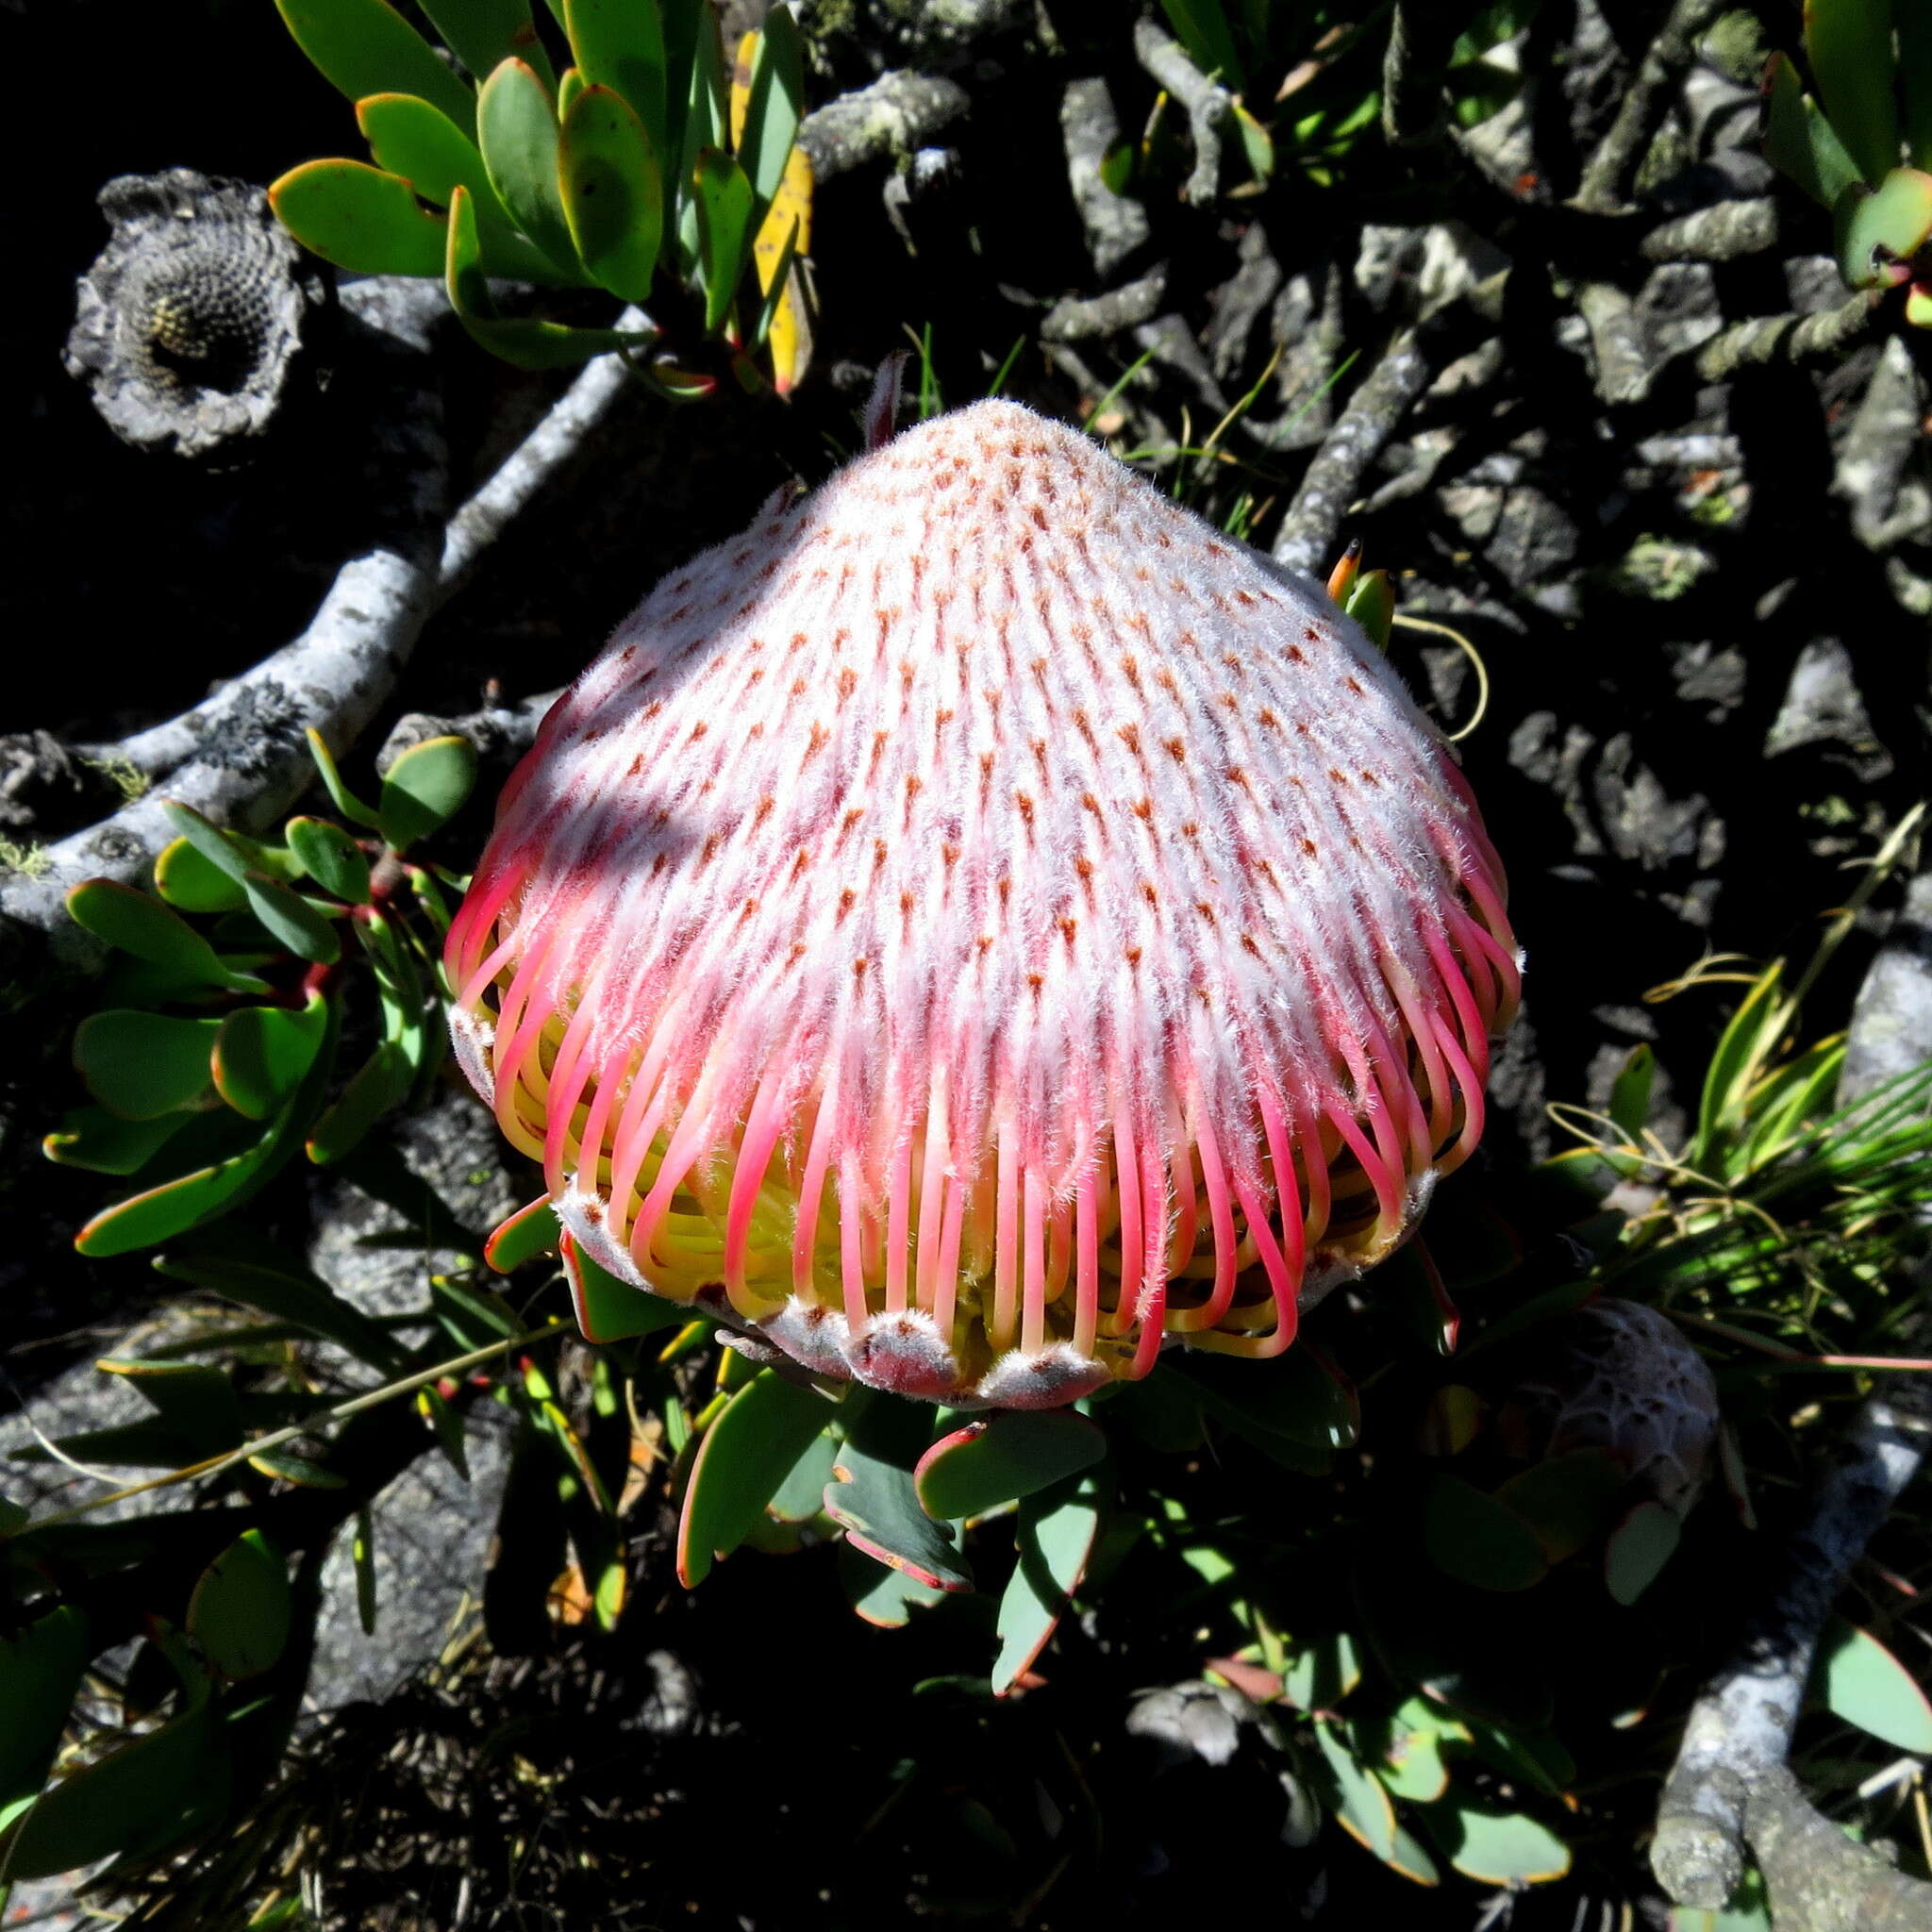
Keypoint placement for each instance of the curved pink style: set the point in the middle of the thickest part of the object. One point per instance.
(982, 926)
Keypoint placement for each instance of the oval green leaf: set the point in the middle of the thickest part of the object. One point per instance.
(40, 1671)
(92, 1138)
(725, 229)
(360, 218)
(1055, 1534)
(1882, 230)
(774, 107)
(1471, 1537)
(144, 927)
(1018, 1453)
(263, 1052)
(241, 1607)
(366, 47)
(1848, 44)
(331, 857)
(1639, 1548)
(381, 1083)
(613, 192)
(291, 920)
(516, 128)
(1361, 1804)
(185, 877)
(425, 788)
(480, 33)
(619, 44)
(144, 1065)
(1496, 1847)
(745, 1455)
(529, 1232)
(1863, 1683)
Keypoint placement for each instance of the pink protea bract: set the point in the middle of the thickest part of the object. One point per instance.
(982, 925)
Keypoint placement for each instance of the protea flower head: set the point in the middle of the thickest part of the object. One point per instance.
(982, 925)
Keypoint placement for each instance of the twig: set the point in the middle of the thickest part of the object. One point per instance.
(1415, 102)
(898, 112)
(1724, 232)
(1205, 101)
(1730, 1787)
(1624, 370)
(1333, 480)
(1077, 318)
(1789, 339)
(1116, 225)
(239, 757)
(1605, 175)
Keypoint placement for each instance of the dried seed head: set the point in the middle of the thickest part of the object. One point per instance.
(983, 923)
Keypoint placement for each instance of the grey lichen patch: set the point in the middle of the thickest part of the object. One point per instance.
(192, 319)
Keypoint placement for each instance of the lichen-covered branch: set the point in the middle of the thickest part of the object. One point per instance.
(1726, 231)
(1607, 174)
(898, 112)
(1077, 318)
(1787, 338)
(1311, 532)
(1730, 1789)
(1205, 102)
(1624, 370)
(1115, 224)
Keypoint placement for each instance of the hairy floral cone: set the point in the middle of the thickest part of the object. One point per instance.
(981, 924)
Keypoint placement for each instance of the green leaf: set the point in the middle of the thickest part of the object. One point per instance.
(425, 788)
(185, 878)
(409, 138)
(1848, 45)
(339, 796)
(481, 33)
(516, 128)
(300, 1469)
(159, 1213)
(1567, 1501)
(287, 1295)
(694, 48)
(725, 230)
(773, 108)
(993, 1461)
(1471, 1536)
(873, 1498)
(366, 47)
(1406, 1757)
(529, 1232)
(290, 921)
(1322, 1670)
(1630, 1093)
(1371, 601)
(1880, 230)
(1257, 144)
(198, 1402)
(608, 1310)
(525, 342)
(381, 1083)
(1639, 1548)
(613, 192)
(144, 1065)
(1863, 1683)
(360, 218)
(331, 857)
(241, 1608)
(41, 1669)
(144, 927)
(136, 1800)
(92, 1138)
(801, 1496)
(883, 1598)
(262, 1054)
(619, 44)
(1357, 1797)
(1496, 1847)
(1054, 1533)
(764, 1430)
(1800, 142)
